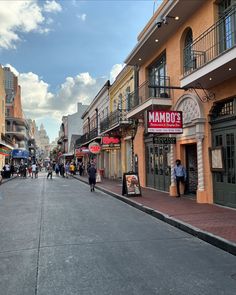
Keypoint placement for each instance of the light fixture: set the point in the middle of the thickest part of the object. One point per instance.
(210, 78)
(156, 40)
(140, 59)
(169, 16)
(230, 69)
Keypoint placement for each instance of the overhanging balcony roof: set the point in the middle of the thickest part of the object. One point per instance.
(162, 103)
(218, 70)
(147, 45)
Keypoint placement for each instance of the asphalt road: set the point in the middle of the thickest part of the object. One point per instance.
(58, 238)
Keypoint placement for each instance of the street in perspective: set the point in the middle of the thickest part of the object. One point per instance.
(58, 237)
(118, 147)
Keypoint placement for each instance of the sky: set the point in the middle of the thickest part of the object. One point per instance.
(64, 51)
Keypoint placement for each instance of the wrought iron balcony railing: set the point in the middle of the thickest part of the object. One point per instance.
(93, 134)
(83, 139)
(149, 90)
(212, 43)
(116, 118)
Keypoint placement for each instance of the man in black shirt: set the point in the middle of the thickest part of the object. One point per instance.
(92, 176)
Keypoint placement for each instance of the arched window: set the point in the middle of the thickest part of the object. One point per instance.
(189, 62)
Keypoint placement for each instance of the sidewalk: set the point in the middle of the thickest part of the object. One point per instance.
(211, 223)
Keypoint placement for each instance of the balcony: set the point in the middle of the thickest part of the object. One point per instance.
(211, 58)
(114, 120)
(149, 95)
(93, 134)
(6, 140)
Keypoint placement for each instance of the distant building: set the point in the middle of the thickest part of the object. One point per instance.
(17, 128)
(75, 125)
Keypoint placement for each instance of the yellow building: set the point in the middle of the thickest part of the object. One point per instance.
(116, 128)
(185, 61)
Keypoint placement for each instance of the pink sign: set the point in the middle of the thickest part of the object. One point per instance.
(165, 122)
(110, 140)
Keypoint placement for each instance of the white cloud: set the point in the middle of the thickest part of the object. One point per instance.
(52, 6)
(82, 16)
(40, 104)
(116, 69)
(24, 16)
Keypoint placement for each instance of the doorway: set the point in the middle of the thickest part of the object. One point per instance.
(191, 169)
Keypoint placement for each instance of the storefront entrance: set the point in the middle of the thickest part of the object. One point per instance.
(158, 169)
(224, 136)
(191, 169)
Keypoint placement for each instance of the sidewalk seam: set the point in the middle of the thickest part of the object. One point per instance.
(186, 227)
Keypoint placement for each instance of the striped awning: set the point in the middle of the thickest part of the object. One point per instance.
(5, 149)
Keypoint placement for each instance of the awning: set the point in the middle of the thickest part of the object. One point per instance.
(5, 149)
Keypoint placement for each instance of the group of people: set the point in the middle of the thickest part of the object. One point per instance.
(62, 169)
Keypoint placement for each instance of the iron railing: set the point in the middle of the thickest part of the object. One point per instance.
(149, 90)
(115, 118)
(212, 43)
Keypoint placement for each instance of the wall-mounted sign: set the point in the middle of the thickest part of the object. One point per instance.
(110, 140)
(81, 152)
(110, 143)
(164, 140)
(94, 147)
(164, 122)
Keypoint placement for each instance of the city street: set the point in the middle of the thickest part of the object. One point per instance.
(58, 238)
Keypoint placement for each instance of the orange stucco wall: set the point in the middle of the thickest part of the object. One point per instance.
(199, 22)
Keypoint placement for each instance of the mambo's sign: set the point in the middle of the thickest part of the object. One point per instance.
(94, 147)
(165, 122)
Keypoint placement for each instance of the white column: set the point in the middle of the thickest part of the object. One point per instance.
(172, 163)
(201, 185)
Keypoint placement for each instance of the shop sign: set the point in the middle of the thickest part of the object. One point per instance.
(110, 140)
(131, 185)
(81, 152)
(164, 140)
(164, 122)
(94, 147)
(20, 154)
(109, 143)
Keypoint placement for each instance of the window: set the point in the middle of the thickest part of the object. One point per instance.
(223, 109)
(189, 59)
(120, 104)
(127, 98)
(227, 26)
(157, 77)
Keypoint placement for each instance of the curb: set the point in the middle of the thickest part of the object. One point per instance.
(7, 179)
(205, 236)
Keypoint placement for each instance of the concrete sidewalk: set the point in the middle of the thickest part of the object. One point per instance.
(211, 223)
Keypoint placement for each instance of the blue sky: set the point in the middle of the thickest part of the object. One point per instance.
(63, 51)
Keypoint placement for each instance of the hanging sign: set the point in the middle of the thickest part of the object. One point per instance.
(94, 147)
(164, 122)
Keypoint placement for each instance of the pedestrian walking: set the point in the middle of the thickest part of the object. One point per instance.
(67, 169)
(92, 176)
(180, 176)
(34, 168)
(50, 169)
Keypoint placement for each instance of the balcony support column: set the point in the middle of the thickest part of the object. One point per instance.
(172, 178)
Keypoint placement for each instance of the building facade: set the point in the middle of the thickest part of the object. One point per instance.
(186, 65)
(116, 128)
(95, 113)
(75, 125)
